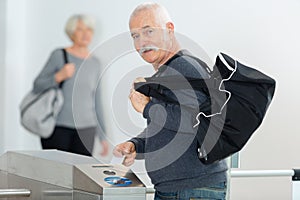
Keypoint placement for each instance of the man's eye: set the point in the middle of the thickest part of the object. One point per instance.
(135, 36)
(150, 31)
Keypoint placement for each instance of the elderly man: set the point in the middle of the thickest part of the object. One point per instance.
(168, 143)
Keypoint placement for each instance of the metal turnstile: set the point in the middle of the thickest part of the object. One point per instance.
(57, 175)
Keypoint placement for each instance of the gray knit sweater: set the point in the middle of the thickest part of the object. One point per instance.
(168, 144)
(79, 109)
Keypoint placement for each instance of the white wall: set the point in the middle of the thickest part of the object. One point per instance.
(15, 72)
(264, 34)
(2, 68)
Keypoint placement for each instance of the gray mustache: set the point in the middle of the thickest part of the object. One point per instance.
(143, 49)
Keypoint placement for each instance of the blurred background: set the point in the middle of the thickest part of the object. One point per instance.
(262, 34)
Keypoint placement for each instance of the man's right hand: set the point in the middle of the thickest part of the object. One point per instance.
(126, 149)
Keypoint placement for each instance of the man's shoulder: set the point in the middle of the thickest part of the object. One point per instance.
(189, 65)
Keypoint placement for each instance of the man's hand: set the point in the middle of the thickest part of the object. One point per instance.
(126, 149)
(139, 79)
(138, 100)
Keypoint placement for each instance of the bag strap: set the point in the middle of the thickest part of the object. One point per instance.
(154, 86)
(65, 56)
(153, 89)
(65, 62)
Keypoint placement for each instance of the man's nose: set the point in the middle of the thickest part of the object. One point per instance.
(143, 41)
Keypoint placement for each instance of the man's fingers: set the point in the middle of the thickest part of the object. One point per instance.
(127, 150)
(137, 95)
(129, 159)
(118, 151)
(139, 79)
(123, 149)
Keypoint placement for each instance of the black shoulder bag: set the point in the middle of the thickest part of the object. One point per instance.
(238, 99)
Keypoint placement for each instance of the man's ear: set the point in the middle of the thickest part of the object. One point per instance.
(170, 26)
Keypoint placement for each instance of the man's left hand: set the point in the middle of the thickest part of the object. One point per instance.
(138, 100)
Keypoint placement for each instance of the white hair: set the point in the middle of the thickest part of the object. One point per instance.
(72, 23)
(161, 12)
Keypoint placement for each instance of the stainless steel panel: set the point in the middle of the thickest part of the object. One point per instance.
(80, 195)
(51, 166)
(39, 190)
(58, 175)
(3, 162)
(91, 178)
(96, 173)
(3, 180)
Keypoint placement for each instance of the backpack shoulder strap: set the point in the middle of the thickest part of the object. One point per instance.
(154, 85)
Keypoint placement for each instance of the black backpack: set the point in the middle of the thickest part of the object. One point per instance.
(238, 98)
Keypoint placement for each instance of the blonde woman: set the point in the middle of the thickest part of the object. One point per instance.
(75, 136)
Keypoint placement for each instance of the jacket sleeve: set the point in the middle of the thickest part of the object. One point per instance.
(175, 117)
(139, 143)
(182, 115)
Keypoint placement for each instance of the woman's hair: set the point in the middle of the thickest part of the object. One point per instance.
(72, 23)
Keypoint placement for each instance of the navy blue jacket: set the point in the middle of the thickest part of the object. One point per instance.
(168, 143)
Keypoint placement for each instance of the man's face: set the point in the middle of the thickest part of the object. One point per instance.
(149, 37)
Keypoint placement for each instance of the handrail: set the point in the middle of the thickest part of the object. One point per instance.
(6, 193)
(261, 173)
(293, 173)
